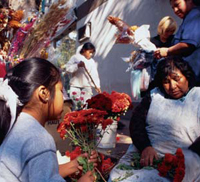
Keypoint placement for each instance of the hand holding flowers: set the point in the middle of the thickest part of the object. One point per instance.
(81, 128)
(171, 165)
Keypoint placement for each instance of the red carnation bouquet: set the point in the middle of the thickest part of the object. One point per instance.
(173, 166)
(115, 104)
(80, 127)
(103, 167)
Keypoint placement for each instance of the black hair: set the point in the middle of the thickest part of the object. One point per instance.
(196, 2)
(87, 46)
(167, 65)
(4, 117)
(24, 79)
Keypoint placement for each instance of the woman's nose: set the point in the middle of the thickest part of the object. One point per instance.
(175, 10)
(172, 84)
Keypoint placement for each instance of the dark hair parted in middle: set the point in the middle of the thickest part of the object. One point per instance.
(166, 67)
(87, 46)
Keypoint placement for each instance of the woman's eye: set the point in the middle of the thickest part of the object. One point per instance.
(177, 78)
(165, 81)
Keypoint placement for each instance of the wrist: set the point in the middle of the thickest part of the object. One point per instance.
(168, 52)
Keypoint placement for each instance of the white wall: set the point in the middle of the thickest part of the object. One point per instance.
(108, 55)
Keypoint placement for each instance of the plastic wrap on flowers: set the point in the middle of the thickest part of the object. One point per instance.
(46, 28)
(126, 32)
(142, 39)
(141, 59)
(135, 80)
(140, 64)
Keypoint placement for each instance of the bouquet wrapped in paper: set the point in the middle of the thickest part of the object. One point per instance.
(141, 59)
(42, 32)
(138, 36)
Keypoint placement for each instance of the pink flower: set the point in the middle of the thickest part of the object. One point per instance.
(81, 98)
(83, 93)
(74, 93)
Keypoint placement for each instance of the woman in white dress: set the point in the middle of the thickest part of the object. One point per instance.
(166, 119)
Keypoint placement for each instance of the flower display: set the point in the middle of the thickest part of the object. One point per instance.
(103, 167)
(171, 165)
(115, 104)
(19, 37)
(79, 102)
(80, 127)
(42, 32)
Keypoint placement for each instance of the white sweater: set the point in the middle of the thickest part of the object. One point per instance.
(79, 76)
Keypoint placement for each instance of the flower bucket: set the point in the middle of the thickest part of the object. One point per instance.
(109, 136)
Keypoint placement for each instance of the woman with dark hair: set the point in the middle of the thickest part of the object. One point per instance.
(80, 82)
(31, 95)
(186, 42)
(166, 119)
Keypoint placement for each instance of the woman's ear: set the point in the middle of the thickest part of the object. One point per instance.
(43, 94)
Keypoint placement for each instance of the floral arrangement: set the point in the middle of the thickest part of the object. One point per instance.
(10, 18)
(18, 39)
(79, 102)
(171, 165)
(141, 58)
(115, 104)
(104, 164)
(10, 21)
(80, 127)
(126, 32)
(45, 29)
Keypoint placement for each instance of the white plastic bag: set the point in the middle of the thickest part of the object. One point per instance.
(142, 39)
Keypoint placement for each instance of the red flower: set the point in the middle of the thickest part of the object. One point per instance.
(115, 104)
(74, 154)
(173, 165)
(84, 128)
(83, 93)
(74, 93)
(105, 165)
(117, 139)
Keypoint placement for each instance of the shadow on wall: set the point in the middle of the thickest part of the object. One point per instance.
(111, 68)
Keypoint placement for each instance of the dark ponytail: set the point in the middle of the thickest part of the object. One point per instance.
(24, 79)
(5, 118)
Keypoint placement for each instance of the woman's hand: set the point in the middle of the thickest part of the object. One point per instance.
(93, 158)
(161, 52)
(147, 156)
(71, 167)
(87, 177)
(98, 90)
(74, 167)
